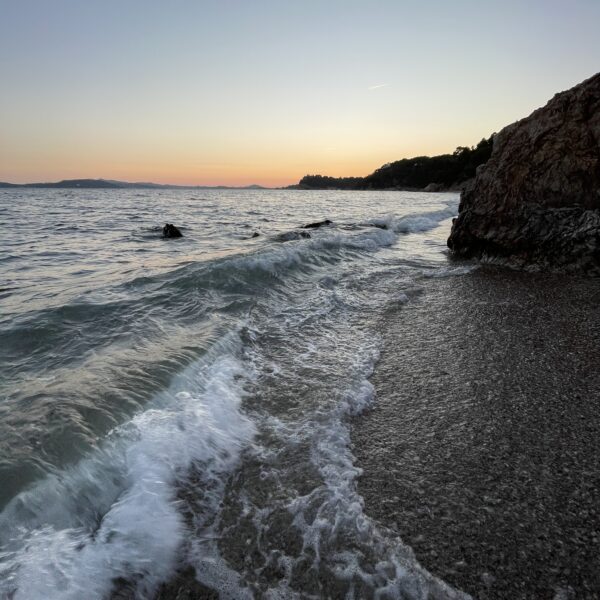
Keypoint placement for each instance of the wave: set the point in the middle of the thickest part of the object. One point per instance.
(394, 572)
(231, 273)
(116, 513)
(417, 222)
(122, 513)
(313, 531)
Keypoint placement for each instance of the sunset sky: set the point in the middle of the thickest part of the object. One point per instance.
(240, 92)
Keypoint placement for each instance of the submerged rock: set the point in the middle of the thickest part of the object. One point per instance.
(317, 224)
(288, 236)
(435, 187)
(170, 231)
(537, 199)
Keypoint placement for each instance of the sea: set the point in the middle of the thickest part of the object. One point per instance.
(181, 410)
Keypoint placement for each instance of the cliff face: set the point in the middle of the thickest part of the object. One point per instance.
(537, 199)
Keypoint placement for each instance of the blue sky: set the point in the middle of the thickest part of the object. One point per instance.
(262, 91)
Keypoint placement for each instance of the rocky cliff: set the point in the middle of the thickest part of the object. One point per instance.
(537, 199)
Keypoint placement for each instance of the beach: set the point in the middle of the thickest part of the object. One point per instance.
(299, 301)
(352, 414)
(482, 449)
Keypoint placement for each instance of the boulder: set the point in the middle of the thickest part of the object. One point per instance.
(317, 224)
(537, 199)
(170, 231)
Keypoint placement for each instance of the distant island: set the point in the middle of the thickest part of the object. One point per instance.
(112, 184)
(430, 173)
(446, 172)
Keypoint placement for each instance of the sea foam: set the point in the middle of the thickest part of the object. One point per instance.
(131, 485)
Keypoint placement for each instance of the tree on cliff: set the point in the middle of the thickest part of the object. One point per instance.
(446, 170)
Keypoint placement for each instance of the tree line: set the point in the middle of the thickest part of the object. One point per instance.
(445, 171)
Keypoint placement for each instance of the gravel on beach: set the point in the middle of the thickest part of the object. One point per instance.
(482, 449)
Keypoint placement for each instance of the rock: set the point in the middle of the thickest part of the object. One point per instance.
(537, 199)
(288, 236)
(170, 231)
(434, 187)
(255, 235)
(317, 224)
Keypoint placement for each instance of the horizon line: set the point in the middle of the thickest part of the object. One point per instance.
(124, 182)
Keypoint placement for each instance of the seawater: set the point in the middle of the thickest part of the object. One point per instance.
(171, 404)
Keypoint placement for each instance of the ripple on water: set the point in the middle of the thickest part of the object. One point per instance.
(187, 404)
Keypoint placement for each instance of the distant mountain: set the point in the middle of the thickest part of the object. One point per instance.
(113, 184)
(431, 173)
(77, 183)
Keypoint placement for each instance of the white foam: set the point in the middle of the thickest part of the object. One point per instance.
(277, 258)
(55, 548)
(197, 422)
(451, 271)
(417, 223)
(335, 509)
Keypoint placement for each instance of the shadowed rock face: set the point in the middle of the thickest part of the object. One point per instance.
(537, 199)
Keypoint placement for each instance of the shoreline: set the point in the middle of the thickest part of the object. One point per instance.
(482, 447)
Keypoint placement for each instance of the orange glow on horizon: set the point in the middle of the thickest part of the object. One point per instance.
(193, 96)
(271, 171)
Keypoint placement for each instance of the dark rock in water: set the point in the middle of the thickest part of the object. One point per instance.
(537, 199)
(170, 231)
(435, 187)
(255, 235)
(288, 236)
(379, 225)
(317, 224)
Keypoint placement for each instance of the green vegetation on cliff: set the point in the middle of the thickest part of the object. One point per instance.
(446, 171)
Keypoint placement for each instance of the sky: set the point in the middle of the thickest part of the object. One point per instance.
(234, 92)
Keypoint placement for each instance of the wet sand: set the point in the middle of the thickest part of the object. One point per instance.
(482, 449)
